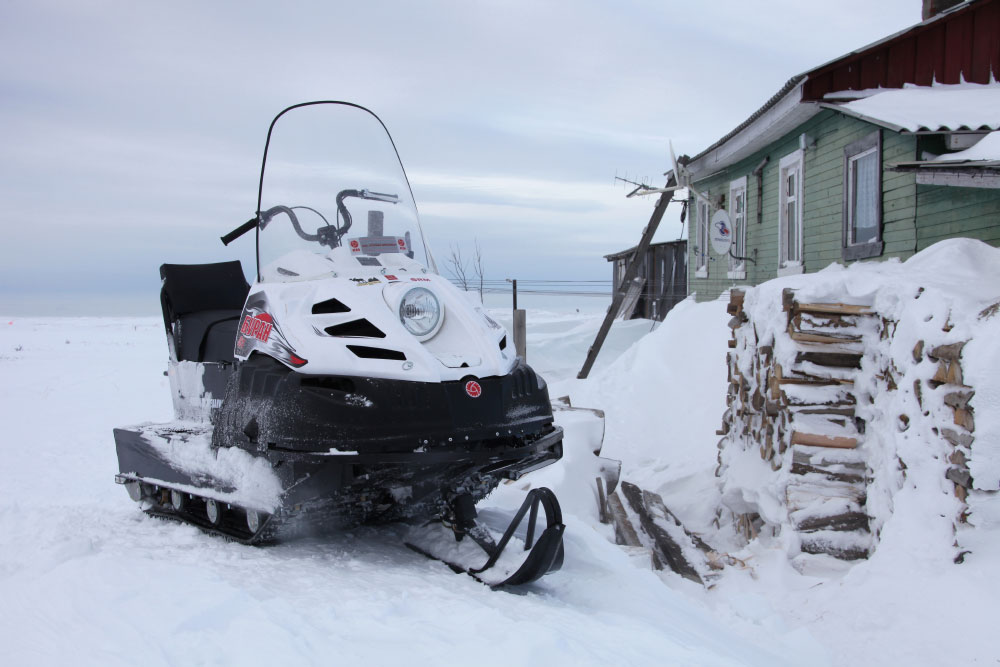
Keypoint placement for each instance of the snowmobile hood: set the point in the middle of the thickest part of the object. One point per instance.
(351, 325)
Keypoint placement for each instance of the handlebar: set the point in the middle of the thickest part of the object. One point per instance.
(239, 231)
(329, 235)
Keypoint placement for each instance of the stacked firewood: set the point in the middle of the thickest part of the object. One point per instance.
(958, 431)
(801, 417)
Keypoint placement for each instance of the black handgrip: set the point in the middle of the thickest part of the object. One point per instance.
(239, 231)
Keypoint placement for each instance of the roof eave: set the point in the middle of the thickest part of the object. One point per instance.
(782, 113)
(991, 166)
(860, 116)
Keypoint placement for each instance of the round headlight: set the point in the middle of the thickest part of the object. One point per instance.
(420, 312)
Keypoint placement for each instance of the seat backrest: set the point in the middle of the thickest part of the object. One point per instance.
(201, 305)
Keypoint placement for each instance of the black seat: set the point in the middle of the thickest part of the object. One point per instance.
(202, 304)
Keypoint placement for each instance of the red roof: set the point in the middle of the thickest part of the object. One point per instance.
(962, 44)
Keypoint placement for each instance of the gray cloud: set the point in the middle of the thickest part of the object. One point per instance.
(131, 133)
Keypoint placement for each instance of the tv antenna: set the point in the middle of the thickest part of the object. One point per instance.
(682, 177)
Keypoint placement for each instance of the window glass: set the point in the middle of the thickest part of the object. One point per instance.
(864, 181)
(738, 218)
(701, 262)
(790, 209)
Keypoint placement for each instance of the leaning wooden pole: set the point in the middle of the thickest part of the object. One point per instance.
(630, 272)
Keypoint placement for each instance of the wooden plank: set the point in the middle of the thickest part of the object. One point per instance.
(833, 359)
(815, 383)
(821, 338)
(833, 308)
(846, 412)
(624, 531)
(833, 476)
(669, 551)
(816, 440)
(631, 299)
(602, 502)
(817, 545)
(839, 459)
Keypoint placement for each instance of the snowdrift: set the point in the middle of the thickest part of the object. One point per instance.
(871, 505)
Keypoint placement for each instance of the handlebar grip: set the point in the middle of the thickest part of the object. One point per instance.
(239, 231)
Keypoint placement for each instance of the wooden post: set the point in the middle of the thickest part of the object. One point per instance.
(602, 502)
(630, 272)
(521, 333)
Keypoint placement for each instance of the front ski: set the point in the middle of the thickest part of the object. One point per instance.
(444, 541)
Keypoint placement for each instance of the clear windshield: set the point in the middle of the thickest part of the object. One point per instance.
(332, 186)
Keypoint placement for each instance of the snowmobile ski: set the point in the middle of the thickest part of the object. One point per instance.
(502, 568)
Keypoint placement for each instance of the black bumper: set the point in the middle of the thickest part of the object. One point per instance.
(271, 409)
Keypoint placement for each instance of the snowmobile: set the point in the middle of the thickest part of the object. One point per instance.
(350, 383)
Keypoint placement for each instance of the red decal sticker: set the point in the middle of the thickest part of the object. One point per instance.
(296, 360)
(259, 327)
(421, 280)
(388, 277)
(402, 243)
(473, 389)
(355, 246)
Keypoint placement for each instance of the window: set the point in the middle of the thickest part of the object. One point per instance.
(738, 218)
(702, 243)
(790, 214)
(863, 197)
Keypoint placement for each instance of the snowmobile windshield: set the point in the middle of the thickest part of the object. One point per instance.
(332, 186)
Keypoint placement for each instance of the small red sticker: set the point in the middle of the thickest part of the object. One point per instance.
(402, 243)
(473, 389)
(388, 277)
(355, 246)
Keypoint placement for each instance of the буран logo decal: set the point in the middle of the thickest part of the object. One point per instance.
(259, 326)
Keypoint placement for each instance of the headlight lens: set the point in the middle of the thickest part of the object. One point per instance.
(420, 312)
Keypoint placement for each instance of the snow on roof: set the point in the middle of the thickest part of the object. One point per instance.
(939, 108)
(986, 149)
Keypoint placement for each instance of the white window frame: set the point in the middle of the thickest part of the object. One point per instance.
(793, 162)
(738, 267)
(701, 239)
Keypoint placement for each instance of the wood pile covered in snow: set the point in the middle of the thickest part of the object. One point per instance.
(841, 389)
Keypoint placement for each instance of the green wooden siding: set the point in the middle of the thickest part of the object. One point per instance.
(947, 211)
(823, 197)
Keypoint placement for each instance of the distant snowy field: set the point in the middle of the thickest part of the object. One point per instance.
(86, 578)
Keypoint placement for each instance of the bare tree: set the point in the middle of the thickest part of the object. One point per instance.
(477, 266)
(460, 271)
(456, 266)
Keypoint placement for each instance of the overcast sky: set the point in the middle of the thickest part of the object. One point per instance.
(131, 132)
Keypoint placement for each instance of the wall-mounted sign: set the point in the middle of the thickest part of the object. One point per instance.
(721, 232)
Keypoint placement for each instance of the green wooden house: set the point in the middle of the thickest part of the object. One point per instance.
(877, 154)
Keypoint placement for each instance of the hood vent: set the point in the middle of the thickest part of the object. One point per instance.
(355, 329)
(366, 352)
(329, 306)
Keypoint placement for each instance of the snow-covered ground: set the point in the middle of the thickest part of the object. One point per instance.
(85, 576)
(910, 603)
